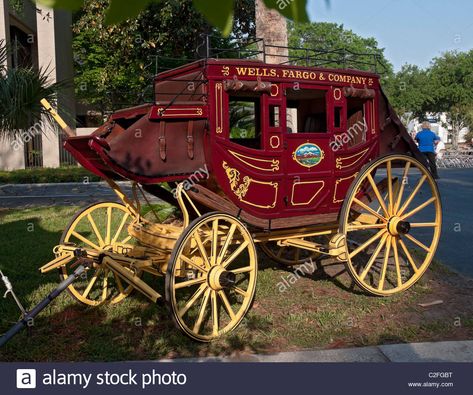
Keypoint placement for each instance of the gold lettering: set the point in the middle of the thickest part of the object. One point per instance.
(241, 70)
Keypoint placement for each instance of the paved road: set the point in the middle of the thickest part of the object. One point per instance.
(44, 195)
(456, 243)
(456, 187)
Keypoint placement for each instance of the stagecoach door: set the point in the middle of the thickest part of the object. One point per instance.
(309, 159)
(354, 140)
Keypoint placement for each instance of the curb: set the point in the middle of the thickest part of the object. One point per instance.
(447, 351)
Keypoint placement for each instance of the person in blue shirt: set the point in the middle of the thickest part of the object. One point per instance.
(427, 141)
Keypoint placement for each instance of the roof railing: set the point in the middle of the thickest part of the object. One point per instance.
(258, 49)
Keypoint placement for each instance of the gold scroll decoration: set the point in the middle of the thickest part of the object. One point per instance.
(257, 163)
(248, 190)
(341, 186)
(314, 188)
(342, 162)
(219, 107)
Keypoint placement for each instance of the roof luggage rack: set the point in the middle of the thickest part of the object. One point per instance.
(258, 49)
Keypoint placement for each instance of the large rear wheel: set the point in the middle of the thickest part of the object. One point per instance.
(391, 220)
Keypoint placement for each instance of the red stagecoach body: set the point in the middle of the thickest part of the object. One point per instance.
(282, 144)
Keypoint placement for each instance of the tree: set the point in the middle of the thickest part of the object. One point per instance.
(115, 64)
(21, 90)
(219, 13)
(408, 91)
(450, 79)
(335, 38)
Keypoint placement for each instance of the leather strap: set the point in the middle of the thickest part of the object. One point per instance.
(162, 140)
(190, 139)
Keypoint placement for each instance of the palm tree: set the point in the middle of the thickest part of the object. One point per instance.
(21, 90)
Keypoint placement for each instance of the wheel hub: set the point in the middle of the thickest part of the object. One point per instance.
(398, 227)
(218, 278)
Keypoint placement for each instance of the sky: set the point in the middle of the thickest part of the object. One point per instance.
(411, 31)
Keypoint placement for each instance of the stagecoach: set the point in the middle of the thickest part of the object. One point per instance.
(305, 161)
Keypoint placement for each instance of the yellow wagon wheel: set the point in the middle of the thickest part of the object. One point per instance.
(287, 255)
(211, 277)
(97, 228)
(391, 220)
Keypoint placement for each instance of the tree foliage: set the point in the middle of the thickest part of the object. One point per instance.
(445, 86)
(115, 63)
(21, 90)
(407, 90)
(219, 13)
(336, 39)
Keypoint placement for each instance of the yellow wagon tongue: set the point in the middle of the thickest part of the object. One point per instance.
(47, 106)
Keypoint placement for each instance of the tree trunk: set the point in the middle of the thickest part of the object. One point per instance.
(271, 26)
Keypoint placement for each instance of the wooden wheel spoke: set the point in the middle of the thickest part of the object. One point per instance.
(373, 257)
(385, 265)
(85, 240)
(192, 300)
(214, 244)
(239, 291)
(367, 243)
(369, 209)
(390, 187)
(189, 283)
(126, 240)
(401, 189)
(378, 194)
(214, 313)
(408, 255)
(226, 304)
(105, 285)
(235, 253)
(297, 254)
(200, 318)
(419, 208)
(96, 231)
(190, 262)
(396, 261)
(92, 282)
(120, 228)
(351, 228)
(227, 243)
(417, 242)
(412, 195)
(280, 251)
(119, 283)
(424, 224)
(203, 252)
(242, 270)
(109, 225)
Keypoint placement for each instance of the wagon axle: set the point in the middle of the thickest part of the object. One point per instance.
(397, 227)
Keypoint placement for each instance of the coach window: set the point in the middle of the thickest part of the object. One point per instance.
(306, 111)
(356, 121)
(245, 121)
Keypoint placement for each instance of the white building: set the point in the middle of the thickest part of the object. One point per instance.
(439, 125)
(40, 37)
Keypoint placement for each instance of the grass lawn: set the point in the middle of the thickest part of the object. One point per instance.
(323, 310)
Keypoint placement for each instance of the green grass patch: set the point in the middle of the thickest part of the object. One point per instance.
(324, 309)
(47, 175)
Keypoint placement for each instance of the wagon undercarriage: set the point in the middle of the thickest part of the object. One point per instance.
(209, 260)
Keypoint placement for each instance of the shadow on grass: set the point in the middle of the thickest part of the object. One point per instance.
(325, 270)
(69, 331)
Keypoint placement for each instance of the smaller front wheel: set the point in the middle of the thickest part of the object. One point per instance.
(211, 277)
